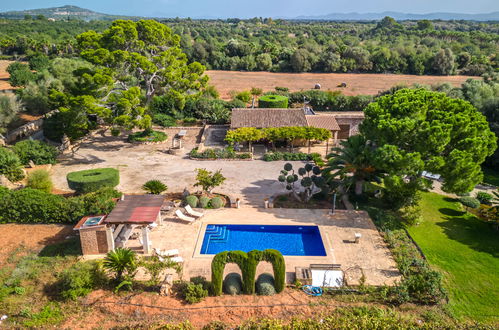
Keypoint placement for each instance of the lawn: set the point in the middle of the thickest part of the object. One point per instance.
(490, 176)
(466, 250)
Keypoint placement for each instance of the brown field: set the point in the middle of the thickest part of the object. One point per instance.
(357, 83)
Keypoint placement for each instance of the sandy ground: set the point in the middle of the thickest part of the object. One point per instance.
(251, 181)
(357, 83)
(29, 237)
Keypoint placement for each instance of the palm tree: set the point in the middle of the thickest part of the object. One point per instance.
(352, 163)
(122, 262)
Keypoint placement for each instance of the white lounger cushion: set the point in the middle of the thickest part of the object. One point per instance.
(167, 253)
(189, 210)
(174, 259)
(183, 216)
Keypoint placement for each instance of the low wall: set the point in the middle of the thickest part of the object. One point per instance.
(27, 130)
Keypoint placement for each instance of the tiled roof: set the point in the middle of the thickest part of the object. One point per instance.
(264, 118)
(323, 121)
(136, 209)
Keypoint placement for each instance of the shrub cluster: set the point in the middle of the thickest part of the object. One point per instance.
(10, 165)
(195, 293)
(204, 202)
(36, 206)
(264, 285)
(247, 262)
(273, 101)
(92, 180)
(147, 136)
(164, 120)
(192, 200)
(37, 151)
(274, 156)
(218, 153)
(233, 284)
(484, 198)
(81, 279)
(40, 179)
(471, 202)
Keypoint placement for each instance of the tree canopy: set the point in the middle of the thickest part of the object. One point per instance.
(419, 130)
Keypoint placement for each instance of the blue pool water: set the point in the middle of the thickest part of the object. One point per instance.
(290, 240)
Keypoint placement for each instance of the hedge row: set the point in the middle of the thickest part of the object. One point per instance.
(92, 180)
(147, 136)
(247, 262)
(36, 206)
(205, 202)
(218, 153)
(289, 156)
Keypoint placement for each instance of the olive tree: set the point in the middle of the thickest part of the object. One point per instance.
(303, 183)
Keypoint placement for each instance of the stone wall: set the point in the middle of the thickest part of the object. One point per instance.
(94, 241)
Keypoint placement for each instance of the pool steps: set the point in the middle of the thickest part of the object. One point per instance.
(216, 234)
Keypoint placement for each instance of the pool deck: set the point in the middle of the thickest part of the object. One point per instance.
(370, 256)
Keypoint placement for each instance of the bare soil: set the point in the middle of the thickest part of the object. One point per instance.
(29, 238)
(143, 308)
(4, 76)
(357, 83)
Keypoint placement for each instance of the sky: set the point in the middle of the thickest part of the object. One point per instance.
(257, 8)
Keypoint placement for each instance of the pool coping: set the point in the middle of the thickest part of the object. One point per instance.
(326, 241)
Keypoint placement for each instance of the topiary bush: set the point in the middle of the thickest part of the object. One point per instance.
(155, 187)
(233, 284)
(470, 202)
(81, 279)
(37, 151)
(92, 180)
(40, 180)
(10, 165)
(484, 198)
(192, 201)
(273, 101)
(204, 201)
(217, 202)
(264, 285)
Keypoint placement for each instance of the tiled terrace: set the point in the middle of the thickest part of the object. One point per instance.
(370, 255)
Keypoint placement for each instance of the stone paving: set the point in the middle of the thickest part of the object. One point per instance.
(370, 256)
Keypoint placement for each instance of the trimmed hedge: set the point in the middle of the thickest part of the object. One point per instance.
(233, 284)
(273, 101)
(247, 262)
(147, 136)
(92, 180)
(264, 285)
(204, 201)
(216, 202)
(192, 200)
(218, 153)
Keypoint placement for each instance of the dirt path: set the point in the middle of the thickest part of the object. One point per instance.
(357, 83)
(4, 75)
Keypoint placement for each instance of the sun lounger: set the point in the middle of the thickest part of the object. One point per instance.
(183, 217)
(190, 211)
(174, 259)
(167, 253)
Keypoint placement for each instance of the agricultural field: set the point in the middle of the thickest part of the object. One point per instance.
(357, 83)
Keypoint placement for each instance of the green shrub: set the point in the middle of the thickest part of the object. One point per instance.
(35, 206)
(192, 200)
(484, 198)
(99, 202)
(92, 180)
(233, 284)
(289, 156)
(204, 201)
(218, 153)
(40, 180)
(317, 159)
(190, 121)
(470, 202)
(10, 165)
(37, 151)
(81, 279)
(164, 120)
(217, 202)
(147, 136)
(50, 314)
(195, 293)
(273, 101)
(155, 187)
(115, 131)
(264, 285)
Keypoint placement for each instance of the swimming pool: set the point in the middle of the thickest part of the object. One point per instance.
(290, 240)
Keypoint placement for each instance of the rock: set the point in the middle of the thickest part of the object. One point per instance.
(4, 182)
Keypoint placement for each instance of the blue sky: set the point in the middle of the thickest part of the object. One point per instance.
(252, 8)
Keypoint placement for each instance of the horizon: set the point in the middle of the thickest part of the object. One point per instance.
(258, 8)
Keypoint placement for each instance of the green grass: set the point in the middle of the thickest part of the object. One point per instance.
(490, 176)
(466, 250)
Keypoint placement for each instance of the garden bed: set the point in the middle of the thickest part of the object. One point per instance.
(287, 201)
(147, 137)
(219, 154)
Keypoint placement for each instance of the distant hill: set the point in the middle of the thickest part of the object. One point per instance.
(64, 12)
(402, 16)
